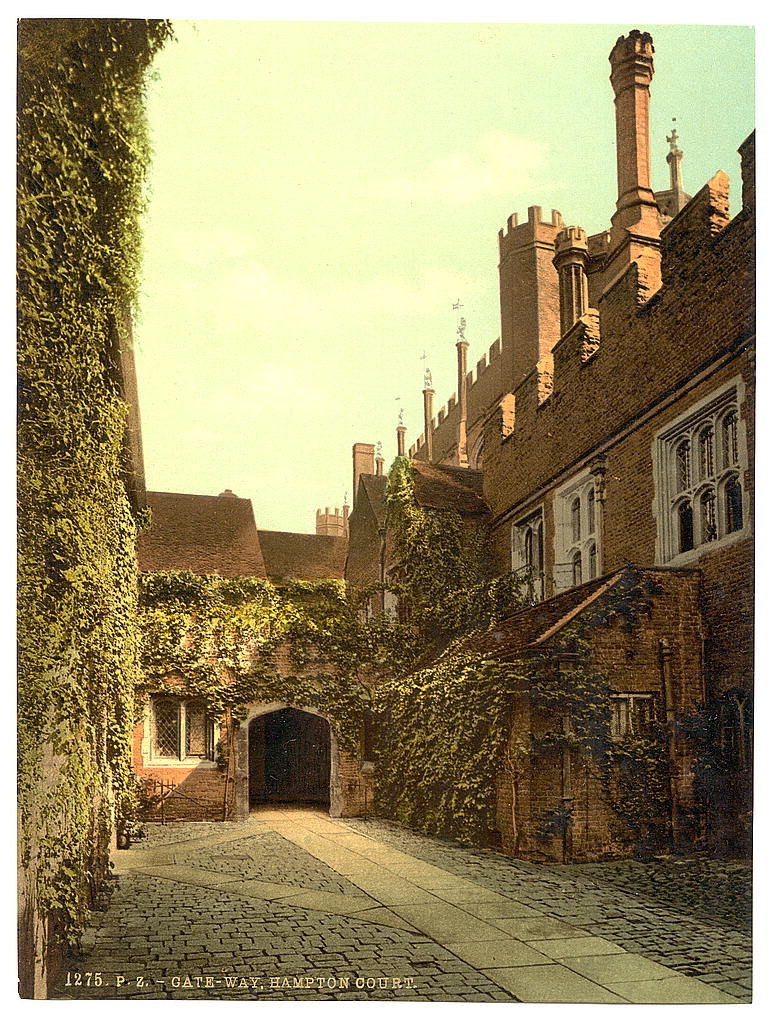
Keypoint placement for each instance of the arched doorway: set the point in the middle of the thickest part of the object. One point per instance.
(289, 758)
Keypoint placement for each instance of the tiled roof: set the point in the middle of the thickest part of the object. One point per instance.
(375, 488)
(533, 626)
(302, 556)
(201, 533)
(449, 487)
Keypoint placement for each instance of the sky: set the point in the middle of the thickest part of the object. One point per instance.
(322, 193)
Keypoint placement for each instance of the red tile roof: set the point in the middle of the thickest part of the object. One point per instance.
(302, 556)
(449, 487)
(202, 534)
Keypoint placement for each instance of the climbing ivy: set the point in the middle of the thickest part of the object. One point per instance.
(82, 153)
(443, 733)
(443, 572)
(445, 737)
(236, 642)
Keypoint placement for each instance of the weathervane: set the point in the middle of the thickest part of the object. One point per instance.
(428, 381)
(672, 138)
(461, 324)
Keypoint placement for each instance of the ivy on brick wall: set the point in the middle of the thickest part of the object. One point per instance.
(445, 728)
(82, 152)
(236, 642)
(443, 572)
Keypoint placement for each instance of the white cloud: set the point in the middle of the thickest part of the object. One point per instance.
(501, 165)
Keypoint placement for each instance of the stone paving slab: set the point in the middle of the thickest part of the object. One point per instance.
(446, 923)
(669, 990)
(552, 983)
(531, 928)
(688, 913)
(497, 953)
(586, 945)
(494, 907)
(618, 967)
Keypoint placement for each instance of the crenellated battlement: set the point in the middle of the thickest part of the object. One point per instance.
(704, 217)
(633, 46)
(332, 523)
(571, 237)
(535, 229)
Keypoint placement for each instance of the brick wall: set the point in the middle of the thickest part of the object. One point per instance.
(632, 661)
(654, 361)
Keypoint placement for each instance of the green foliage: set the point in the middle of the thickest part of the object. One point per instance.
(443, 572)
(445, 727)
(444, 730)
(82, 151)
(236, 642)
(637, 769)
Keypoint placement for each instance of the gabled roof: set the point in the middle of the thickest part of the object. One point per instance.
(302, 556)
(202, 534)
(449, 488)
(375, 489)
(529, 629)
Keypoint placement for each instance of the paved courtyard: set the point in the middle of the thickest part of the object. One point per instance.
(293, 904)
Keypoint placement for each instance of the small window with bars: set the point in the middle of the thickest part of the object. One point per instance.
(633, 714)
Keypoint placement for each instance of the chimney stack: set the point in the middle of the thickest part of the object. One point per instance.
(571, 257)
(401, 439)
(462, 396)
(363, 462)
(636, 225)
(427, 397)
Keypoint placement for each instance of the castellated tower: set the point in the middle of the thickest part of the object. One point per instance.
(332, 523)
(529, 292)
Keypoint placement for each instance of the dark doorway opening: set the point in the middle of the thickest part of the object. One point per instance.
(290, 758)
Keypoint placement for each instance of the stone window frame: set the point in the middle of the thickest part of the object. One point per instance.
(184, 707)
(577, 531)
(534, 587)
(624, 720)
(698, 478)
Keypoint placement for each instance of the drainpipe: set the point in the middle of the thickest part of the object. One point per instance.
(566, 791)
(566, 662)
(666, 673)
(229, 763)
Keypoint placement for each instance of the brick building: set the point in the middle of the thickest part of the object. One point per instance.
(197, 768)
(605, 445)
(612, 425)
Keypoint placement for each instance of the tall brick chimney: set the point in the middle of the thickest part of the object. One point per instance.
(636, 225)
(363, 462)
(427, 404)
(401, 439)
(462, 396)
(571, 258)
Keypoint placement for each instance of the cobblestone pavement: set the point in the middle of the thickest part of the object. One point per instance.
(295, 905)
(689, 913)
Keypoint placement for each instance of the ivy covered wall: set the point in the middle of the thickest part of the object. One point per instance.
(502, 733)
(82, 152)
(243, 640)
